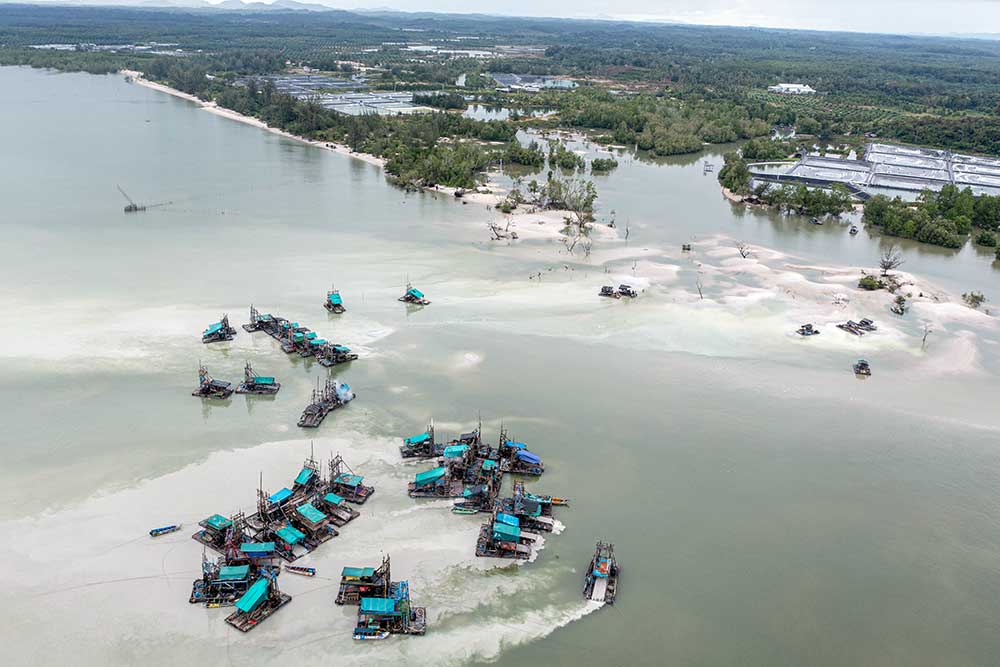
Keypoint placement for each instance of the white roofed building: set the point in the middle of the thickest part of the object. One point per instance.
(792, 89)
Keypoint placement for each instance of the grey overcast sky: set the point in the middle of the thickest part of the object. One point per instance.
(893, 16)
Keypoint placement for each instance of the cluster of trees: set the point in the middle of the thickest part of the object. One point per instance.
(440, 100)
(806, 201)
(763, 150)
(943, 218)
(603, 164)
(529, 156)
(562, 157)
(735, 174)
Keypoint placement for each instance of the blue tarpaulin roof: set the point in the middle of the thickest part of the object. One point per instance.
(311, 335)
(257, 547)
(414, 292)
(318, 341)
(454, 451)
(214, 328)
(290, 535)
(341, 348)
(508, 519)
(470, 491)
(528, 457)
(335, 299)
(417, 439)
(358, 572)
(379, 606)
(516, 445)
(298, 338)
(310, 513)
(263, 379)
(489, 464)
(349, 480)
(234, 572)
(254, 596)
(304, 475)
(281, 496)
(505, 533)
(333, 499)
(218, 522)
(429, 476)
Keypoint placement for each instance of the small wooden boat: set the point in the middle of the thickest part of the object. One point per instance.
(867, 325)
(807, 330)
(609, 291)
(458, 509)
(156, 532)
(370, 634)
(862, 368)
(414, 296)
(816, 221)
(302, 570)
(601, 582)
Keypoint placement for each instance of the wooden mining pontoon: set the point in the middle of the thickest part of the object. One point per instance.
(379, 617)
(529, 512)
(344, 482)
(601, 581)
(257, 384)
(223, 535)
(414, 296)
(218, 332)
(211, 388)
(333, 302)
(421, 446)
(260, 601)
(359, 582)
(517, 459)
(332, 354)
(501, 537)
(333, 395)
(269, 324)
(221, 583)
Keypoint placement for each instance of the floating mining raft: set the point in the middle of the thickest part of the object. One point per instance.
(324, 401)
(289, 523)
(218, 332)
(530, 512)
(345, 483)
(359, 582)
(333, 302)
(257, 384)
(211, 388)
(601, 581)
(502, 537)
(261, 600)
(224, 581)
(414, 296)
(379, 617)
(297, 339)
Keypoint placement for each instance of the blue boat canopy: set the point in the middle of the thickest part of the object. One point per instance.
(341, 348)
(429, 476)
(298, 337)
(415, 293)
(234, 572)
(516, 445)
(470, 491)
(310, 513)
(218, 522)
(379, 607)
(349, 480)
(489, 464)
(214, 328)
(508, 519)
(333, 499)
(505, 533)
(263, 379)
(358, 572)
(281, 496)
(454, 451)
(304, 475)
(311, 335)
(257, 547)
(254, 596)
(528, 457)
(290, 535)
(335, 298)
(318, 341)
(417, 439)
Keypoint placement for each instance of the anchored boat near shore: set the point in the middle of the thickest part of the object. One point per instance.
(601, 582)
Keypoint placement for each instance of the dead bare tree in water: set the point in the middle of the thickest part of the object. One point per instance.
(890, 260)
(928, 330)
(744, 249)
(700, 285)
